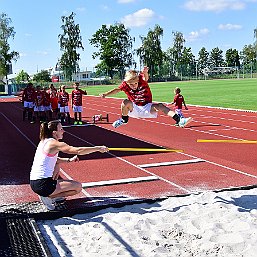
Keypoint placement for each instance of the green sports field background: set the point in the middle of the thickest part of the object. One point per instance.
(234, 93)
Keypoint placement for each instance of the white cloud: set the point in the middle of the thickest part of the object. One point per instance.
(42, 52)
(81, 9)
(214, 5)
(139, 18)
(125, 1)
(105, 7)
(196, 35)
(229, 26)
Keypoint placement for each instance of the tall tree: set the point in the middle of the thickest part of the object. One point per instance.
(232, 58)
(70, 42)
(175, 52)
(150, 52)
(114, 49)
(6, 56)
(42, 76)
(22, 77)
(203, 57)
(216, 57)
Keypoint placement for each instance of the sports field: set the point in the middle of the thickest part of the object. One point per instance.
(234, 93)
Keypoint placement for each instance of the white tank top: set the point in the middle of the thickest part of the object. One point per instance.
(44, 163)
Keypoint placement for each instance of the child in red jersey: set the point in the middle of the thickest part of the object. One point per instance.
(27, 98)
(139, 103)
(53, 100)
(38, 104)
(76, 100)
(178, 102)
(63, 99)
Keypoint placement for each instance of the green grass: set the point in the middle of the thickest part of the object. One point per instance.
(233, 93)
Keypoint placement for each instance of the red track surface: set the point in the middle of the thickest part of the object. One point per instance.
(223, 165)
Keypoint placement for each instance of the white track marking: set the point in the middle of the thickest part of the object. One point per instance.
(18, 129)
(118, 181)
(132, 164)
(158, 164)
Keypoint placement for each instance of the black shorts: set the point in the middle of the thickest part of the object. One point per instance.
(44, 186)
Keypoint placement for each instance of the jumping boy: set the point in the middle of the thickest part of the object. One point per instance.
(139, 103)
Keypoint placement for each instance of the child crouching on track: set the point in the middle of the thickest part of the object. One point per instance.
(45, 169)
(139, 103)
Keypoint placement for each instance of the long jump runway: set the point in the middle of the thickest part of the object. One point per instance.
(125, 175)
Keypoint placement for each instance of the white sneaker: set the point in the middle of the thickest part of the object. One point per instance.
(48, 202)
(118, 123)
(59, 199)
(184, 121)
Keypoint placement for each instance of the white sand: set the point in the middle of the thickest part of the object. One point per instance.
(208, 224)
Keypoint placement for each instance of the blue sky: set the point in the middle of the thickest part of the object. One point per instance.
(204, 23)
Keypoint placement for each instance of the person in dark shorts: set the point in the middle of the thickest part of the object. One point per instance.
(44, 175)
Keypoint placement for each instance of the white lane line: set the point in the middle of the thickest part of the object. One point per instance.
(118, 181)
(134, 165)
(158, 164)
(18, 129)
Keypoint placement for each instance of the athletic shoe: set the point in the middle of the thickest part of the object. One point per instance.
(176, 125)
(75, 123)
(118, 123)
(59, 199)
(48, 202)
(184, 121)
(80, 123)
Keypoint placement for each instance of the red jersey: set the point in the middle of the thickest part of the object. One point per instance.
(77, 96)
(39, 98)
(63, 99)
(178, 101)
(28, 94)
(46, 99)
(141, 96)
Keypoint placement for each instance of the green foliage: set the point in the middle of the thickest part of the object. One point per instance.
(6, 56)
(22, 77)
(216, 58)
(42, 76)
(70, 41)
(150, 53)
(232, 58)
(114, 49)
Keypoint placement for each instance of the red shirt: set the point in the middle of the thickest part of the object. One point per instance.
(77, 96)
(141, 96)
(178, 101)
(28, 94)
(39, 98)
(46, 99)
(63, 99)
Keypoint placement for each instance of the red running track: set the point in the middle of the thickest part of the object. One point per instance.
(211, 166)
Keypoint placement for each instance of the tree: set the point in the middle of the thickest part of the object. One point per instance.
(42, 76)
(70, 41)
(22, 77)
(150, 52)
(6, 32)
(114, 49)
(175, 52)
(216, 57)
(232, 58)
(203, 57)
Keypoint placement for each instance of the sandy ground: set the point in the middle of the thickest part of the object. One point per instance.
(207, 224)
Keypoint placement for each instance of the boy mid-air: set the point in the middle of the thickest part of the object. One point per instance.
(139, 103)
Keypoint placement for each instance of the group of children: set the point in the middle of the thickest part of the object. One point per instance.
(50, 104)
